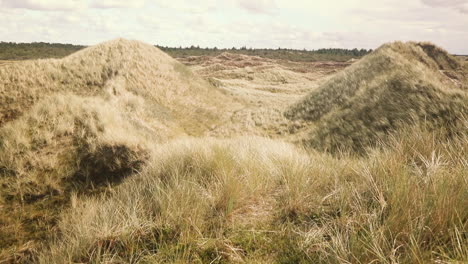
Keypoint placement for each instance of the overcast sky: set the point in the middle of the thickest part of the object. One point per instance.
(297, 24)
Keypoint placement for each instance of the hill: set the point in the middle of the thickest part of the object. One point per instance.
(90, 119)
(118, 154)
(397, 85)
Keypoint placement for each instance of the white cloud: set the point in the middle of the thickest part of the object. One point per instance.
(258, 6)
(459, 5)
(66, 5)
(50, 5)
(193, 7)
(118, 3)
(227, 23)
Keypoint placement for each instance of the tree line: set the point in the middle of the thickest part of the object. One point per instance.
(279, 53)
(41, 50)
(35, 50)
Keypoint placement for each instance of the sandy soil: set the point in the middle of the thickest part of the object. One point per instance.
(265, 88)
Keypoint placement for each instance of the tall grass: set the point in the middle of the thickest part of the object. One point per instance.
(396, 85)
(256, 200)
(116, 69)
(96, 165)
(79, 122)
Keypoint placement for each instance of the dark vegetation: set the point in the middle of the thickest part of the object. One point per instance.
(41, 50)
(36, 50)
(280, 53)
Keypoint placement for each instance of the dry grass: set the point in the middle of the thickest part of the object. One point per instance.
(399, 83)
(104, 158)
(121, 68)
(5, 62)
(256, 200)
(52, 142)
(265, 87)
(86, 120)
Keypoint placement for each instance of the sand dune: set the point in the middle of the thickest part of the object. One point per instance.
(120, 154)
(397, 85)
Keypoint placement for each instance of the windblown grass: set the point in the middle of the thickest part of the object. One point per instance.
(256, 200)
(398, 84)
(90, 119)
(64, 143)
(120, 68)
(97, 164)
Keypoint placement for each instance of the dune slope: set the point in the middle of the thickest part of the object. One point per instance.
(87, 120)
(397, 85)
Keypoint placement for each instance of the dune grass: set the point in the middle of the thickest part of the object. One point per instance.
(119, 68)
(398, 84)
(260, 201)
(104, 159)
(65, 143)
(89, 119)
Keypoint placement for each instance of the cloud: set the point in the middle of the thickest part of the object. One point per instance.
(118, 3)
(66, 5)
(50, 5)
(192, 7)
(227, 23)
(459, 5)
(258, 6)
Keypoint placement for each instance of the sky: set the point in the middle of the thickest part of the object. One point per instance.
(298, 24)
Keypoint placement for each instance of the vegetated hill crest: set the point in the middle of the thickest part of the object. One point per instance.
(116, 94)
(396, 85)
(108, 69)
(89, 119)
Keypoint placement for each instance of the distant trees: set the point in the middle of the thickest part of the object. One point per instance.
(331, 54)
(35, 50)
(20, 51)
(353, 52)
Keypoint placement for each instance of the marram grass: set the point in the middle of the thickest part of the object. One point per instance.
(104, 159)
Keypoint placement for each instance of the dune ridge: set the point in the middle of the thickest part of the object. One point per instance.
(397, 85)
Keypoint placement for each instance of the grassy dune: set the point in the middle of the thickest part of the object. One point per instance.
(80, 122)
(397, 85)
(118, 70)
(108, 156)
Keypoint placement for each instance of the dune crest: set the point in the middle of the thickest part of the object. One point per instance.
(398, 84)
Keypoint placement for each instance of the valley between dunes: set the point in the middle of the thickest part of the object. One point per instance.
(120, 153)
